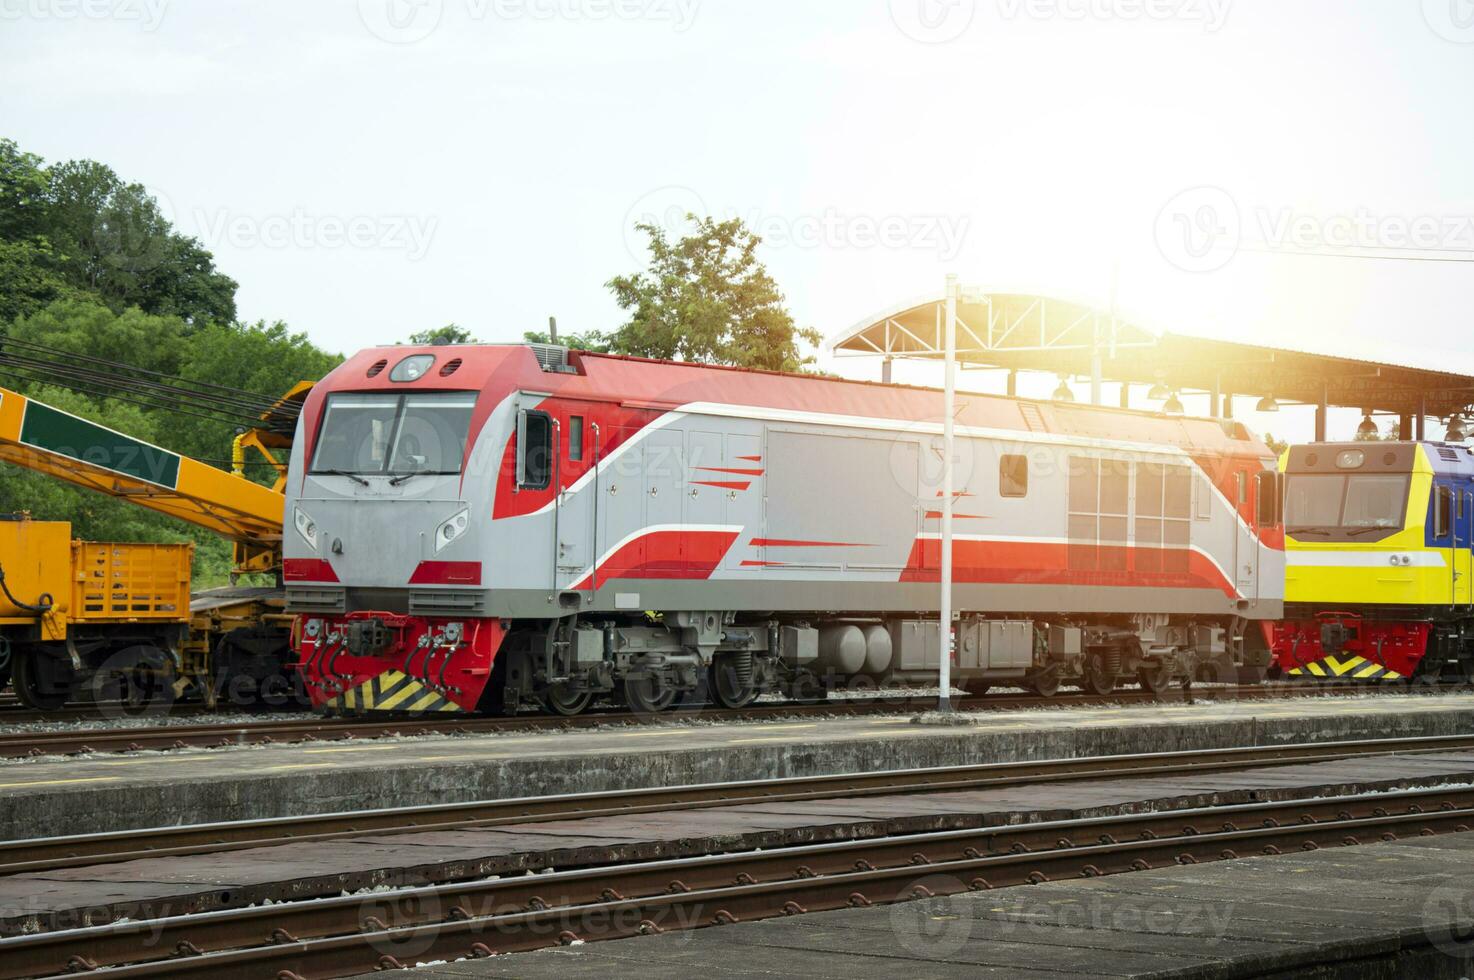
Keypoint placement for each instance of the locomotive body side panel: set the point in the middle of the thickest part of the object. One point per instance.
(438, 517)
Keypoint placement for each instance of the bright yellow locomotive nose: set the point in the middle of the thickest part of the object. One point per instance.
(1380, 560)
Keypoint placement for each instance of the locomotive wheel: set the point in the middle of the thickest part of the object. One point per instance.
(646, 694)
(562, 701)
(35, 686)
(1097, 678)
(1044, 684)
(1154, 679)
(727, 689)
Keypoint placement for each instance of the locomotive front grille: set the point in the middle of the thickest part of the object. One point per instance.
(302, 599)
(453, 602)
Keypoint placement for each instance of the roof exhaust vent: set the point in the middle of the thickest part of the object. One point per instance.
(552, 358)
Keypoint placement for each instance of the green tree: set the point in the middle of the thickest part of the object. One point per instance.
(23, 193)
(262, 359)
(708, 298)
(114, 241)
(445, 336)
(266, 360)
(30, 271)
(592, 341)
(83, 325)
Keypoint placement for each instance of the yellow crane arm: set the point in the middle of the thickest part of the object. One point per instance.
(39, 437)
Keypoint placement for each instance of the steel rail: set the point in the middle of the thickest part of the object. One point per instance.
(329, 937)
(164, 737)
(48, 854)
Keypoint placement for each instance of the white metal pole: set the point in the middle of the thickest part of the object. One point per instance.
(944, 702)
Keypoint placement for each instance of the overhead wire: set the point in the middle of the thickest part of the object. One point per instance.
(145, 388)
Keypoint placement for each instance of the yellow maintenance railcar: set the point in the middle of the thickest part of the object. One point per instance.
(85, 603)
(72, 612)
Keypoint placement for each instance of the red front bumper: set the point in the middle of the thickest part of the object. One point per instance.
(410, 664)
(1397, 646)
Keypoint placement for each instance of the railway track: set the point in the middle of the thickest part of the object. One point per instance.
(350, 934)
(15, 713)
(317, 728)
(56, 853)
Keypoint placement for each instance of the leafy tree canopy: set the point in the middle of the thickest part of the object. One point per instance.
(451, 333)
(593, 340)
(90, 266)
(708, 298)
(79, 227)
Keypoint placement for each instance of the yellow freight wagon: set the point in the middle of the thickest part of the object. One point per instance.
(71, 608)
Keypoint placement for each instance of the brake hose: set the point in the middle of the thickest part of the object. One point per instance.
(44, 600)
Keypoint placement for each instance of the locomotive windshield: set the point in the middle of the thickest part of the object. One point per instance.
(1329, 502)
(394, 435)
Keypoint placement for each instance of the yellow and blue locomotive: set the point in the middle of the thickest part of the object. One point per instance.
(1380, 562)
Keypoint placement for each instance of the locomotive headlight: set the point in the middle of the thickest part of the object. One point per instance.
(306, 526)
(452, 529)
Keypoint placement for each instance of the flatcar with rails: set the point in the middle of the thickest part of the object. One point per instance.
(1380, 577)
(478, 528)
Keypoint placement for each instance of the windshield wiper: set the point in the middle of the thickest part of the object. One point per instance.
(1309, 530)
(406, 477)
(1367, 530)
(352, 476)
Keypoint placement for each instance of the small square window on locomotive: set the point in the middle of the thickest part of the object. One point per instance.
(1013, 476)
(575, 438)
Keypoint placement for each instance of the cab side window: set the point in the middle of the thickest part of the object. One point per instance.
(534, 450)
(1443, 512)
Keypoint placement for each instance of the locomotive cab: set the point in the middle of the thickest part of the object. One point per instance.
(1380, 561)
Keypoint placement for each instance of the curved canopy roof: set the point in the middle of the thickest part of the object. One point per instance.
(1029, 332)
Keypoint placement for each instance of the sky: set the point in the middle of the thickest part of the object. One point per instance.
(369, 168)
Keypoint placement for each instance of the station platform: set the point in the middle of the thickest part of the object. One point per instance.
(51, 797)
(155, 887)
(1374, 912)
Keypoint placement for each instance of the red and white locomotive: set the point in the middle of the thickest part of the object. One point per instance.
(478, 527)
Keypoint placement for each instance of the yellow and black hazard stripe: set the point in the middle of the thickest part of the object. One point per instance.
(392, 691)
(1346, 668)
